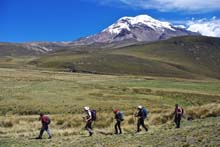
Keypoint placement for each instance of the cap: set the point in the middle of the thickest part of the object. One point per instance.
(86, 108)
(115, 110)
(139, 107)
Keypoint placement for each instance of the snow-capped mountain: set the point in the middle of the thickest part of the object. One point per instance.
(128, 22)
(138, 29)
(124, 32)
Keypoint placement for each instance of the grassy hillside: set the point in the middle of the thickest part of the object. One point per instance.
(24, 93)
(196, 133)
(182, 70)
(187, 57)
(28, 91)
(15, 49)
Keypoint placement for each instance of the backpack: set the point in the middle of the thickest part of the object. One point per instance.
(144, 110)
(121, 116)
(93, 113)
(48, 120)
(180, 110)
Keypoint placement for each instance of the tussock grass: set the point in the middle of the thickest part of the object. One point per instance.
(193, 112)
(6, 124)
(209, 110)
(25, 93)
(67, 125)
(193, 133)
(161, 118)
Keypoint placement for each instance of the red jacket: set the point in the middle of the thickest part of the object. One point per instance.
(44, 119)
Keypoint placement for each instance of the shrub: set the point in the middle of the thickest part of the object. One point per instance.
(6, 124)
(60, 122)
(131, 121)
(157, 119)
(142, 91)
(209, 110)
(76, 124)
(104, 123)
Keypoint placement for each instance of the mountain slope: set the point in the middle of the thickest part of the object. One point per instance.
(126, 31)
(29, 49)
(142, 28)
(188, 57)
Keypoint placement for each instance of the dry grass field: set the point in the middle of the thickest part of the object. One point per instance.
(62, 95)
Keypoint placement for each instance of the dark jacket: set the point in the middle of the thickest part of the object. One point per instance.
(178, 111)
(140, 113)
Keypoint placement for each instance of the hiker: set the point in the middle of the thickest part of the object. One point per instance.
(90, 117)
(178, 113)
(141, 115)
(45, 120)
(119, 118)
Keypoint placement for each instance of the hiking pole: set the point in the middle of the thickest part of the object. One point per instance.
(134, 118)
(112, 127)
(113, 124)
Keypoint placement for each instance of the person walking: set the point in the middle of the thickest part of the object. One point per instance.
(119, 118)
(178, 113)
(88, 120)
(141, 115)
(45, 121)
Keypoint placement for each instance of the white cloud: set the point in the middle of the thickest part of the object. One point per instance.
(205, 27)
(169, 5)
(180, 26)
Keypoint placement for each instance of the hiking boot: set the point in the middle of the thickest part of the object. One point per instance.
(138, 131)
(146, 129)
(38, 137)
(49, 137)
(90, 133)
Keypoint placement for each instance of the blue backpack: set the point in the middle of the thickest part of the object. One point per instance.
(121, 116)
(144, 112)
(93, 113)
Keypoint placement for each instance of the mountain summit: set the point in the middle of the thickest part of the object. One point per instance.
(141, 28)
(124, 32)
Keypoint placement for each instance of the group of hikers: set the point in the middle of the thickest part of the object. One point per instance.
(91, 117)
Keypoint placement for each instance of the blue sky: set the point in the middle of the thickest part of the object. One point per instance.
(66, 20)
